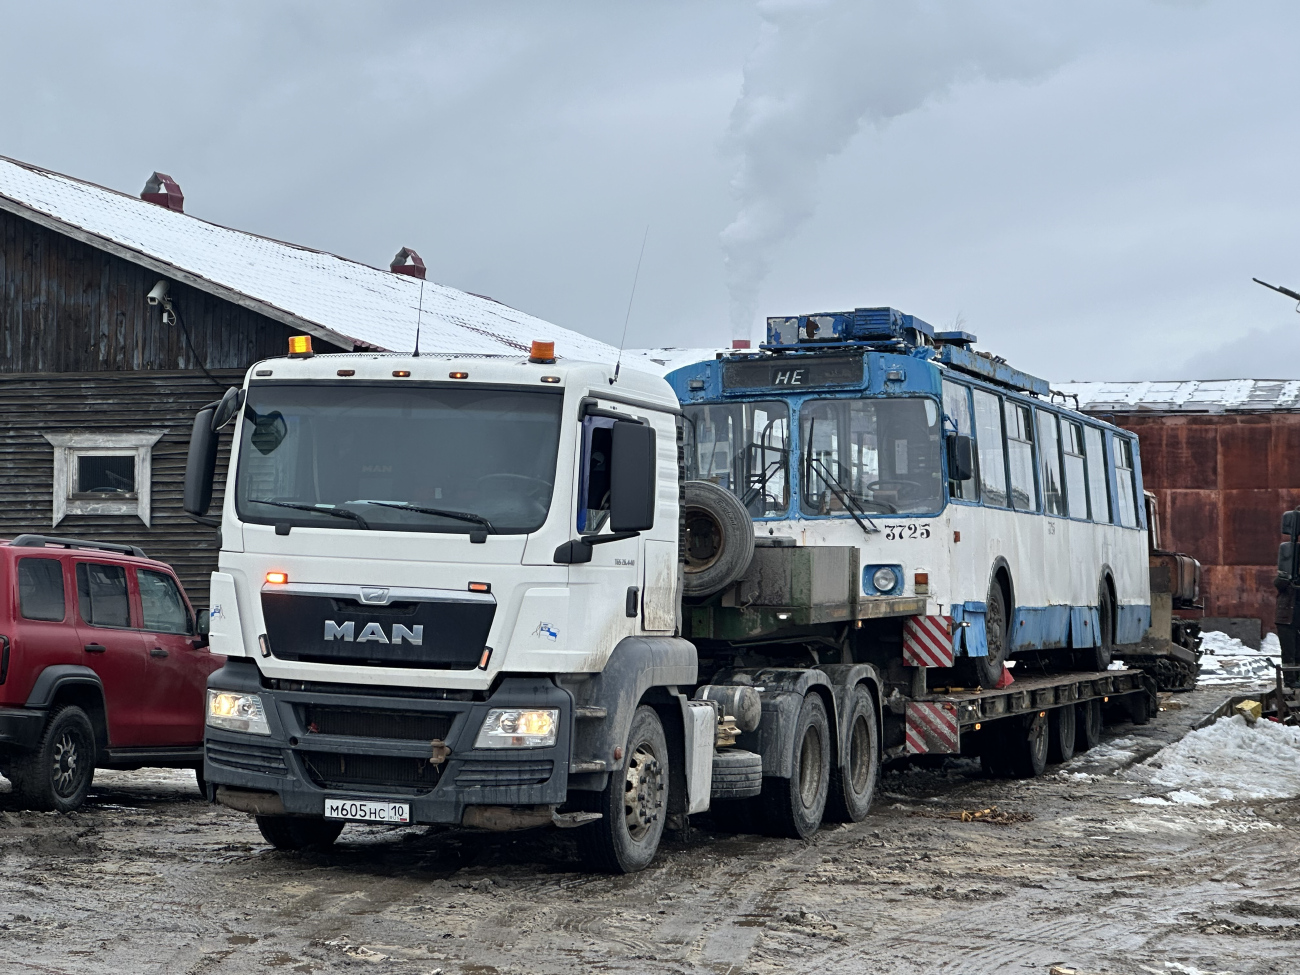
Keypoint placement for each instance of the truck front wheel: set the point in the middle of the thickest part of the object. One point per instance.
(634, 805)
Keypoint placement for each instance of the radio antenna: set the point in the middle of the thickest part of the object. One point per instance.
(618, 364)
(418, 315)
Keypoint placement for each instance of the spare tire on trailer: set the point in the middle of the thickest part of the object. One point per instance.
(719, 538)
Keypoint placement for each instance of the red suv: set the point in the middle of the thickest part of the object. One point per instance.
(103, 663)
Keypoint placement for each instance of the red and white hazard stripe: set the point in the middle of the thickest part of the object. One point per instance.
(932, 729)
(927, 641)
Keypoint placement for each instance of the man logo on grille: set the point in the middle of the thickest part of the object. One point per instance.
(373, 633)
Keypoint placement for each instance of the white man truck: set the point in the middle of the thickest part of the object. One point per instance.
(497, 592)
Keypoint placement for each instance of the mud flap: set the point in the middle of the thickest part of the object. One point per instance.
(928, 641)
(932, 729)
(969, 634)
(700, 719)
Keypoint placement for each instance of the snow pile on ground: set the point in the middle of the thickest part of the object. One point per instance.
(1228, 760)
(1226, 660)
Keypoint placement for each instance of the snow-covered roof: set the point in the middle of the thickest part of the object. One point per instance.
(1187, 396)
(661, 362)
(339, 300)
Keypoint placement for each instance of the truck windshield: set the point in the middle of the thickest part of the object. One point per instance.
(743, 447)
(414, 458)
(872, 456)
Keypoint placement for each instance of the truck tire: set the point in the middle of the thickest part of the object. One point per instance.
(634, 805)
(1063, 733)
(1029, 744)
(988, 669)
(719, 539)
(56, 775)
(794, 807)
(1100, 656)
(299, 832)
(853, 784)
(737, 774)
(1087, 724)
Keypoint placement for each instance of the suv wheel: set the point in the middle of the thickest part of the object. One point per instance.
(57, 774)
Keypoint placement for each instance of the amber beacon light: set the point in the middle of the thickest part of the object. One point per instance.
(277, 578)
(300, 347)
(542, 353)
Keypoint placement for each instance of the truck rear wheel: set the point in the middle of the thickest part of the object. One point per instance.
(1063, 733)
(794, 807)
(56, 775)
(1087, 724)
(633, 806)
(854, 783)
(299, 832)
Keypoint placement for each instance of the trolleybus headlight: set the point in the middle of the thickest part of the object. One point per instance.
(884, 579)
(237, 712)
(519, 728)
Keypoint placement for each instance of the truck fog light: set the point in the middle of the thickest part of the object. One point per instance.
(237, 712)
(884, 579)
(519, 728)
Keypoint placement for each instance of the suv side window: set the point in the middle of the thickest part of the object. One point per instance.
(102, 595)
(163, 608)
(40, 590)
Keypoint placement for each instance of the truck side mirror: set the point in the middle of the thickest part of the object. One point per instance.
(201, 464)
(228, 407)
(632, 487)
(961, 464)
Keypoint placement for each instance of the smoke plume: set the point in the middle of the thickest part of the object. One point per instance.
(823, 69)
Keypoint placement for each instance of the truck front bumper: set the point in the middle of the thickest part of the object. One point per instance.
(360, 743)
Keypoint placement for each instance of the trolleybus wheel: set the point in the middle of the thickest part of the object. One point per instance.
(634, 805)
(1063, 733)
(1087, 724)
(1100, 656)
(988, 669)
(794, 807)
(854, 782)
(1029, 747)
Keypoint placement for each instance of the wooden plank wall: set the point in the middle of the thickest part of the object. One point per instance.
(66, 307)
(123, 402)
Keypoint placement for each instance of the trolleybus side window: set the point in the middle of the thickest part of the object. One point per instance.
(956, 405)
(744, 448)
(1076, 477)
(1049, 464)
(1020, 456)
(992, 459)
(1098, 484)
(870, 456)
(1126, 495)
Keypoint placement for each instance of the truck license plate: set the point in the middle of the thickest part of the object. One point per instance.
(367, 810)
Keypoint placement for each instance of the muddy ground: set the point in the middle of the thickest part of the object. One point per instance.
(149, 878)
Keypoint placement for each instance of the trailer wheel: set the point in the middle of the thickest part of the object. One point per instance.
(634, 805)
(853, 784)
(995, 745)
(299, 832)
(1063, 733)
(988, 669)
(719, 539)
(56, 774)
(794, 807)
(1087, 724)
(1029, 743)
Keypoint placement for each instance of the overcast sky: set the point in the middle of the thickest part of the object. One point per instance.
(1089, 191)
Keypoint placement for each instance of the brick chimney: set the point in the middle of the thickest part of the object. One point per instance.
(164, 191)
(407, 262)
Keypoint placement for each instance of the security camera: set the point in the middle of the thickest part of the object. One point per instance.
(159, 293)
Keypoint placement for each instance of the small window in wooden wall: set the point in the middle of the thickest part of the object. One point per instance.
(102, 473)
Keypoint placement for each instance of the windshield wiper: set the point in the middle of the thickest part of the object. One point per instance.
(446, 513)
(336, 512)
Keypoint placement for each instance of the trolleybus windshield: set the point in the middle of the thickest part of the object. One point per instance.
(744, 448)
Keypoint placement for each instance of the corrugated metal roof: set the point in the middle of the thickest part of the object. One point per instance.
(335, 298)
(1188, 396)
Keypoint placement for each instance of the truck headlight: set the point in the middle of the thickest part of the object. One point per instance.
(519, 728)
(237, 712)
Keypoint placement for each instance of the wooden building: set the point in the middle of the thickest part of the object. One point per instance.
(99, 383)
(1223, 459)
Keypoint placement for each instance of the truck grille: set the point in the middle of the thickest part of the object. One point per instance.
(499, 775)
(387, 772)
(367, 723)
(251, 758)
